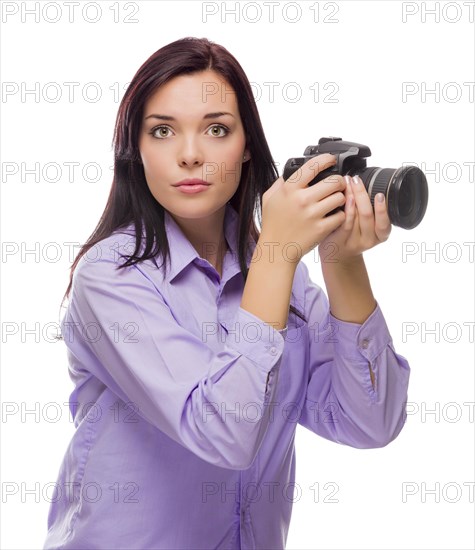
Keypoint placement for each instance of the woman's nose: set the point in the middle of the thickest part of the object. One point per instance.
(190, 155)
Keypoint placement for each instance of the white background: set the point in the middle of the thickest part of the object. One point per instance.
(369, 52)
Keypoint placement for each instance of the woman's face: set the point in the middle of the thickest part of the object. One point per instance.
(195, 143)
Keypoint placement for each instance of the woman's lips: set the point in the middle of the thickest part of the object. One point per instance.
(191, 189)
(192, 181)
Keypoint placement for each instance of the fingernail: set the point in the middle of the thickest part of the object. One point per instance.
(380, 197)
(355, 180)
(347, 179)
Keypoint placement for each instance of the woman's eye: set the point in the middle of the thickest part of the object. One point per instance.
(159, 129)
(220, 127)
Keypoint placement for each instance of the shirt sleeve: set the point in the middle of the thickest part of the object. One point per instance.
(119, 328)
(341, 404)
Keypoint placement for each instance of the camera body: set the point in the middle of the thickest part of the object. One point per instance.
(405, 188)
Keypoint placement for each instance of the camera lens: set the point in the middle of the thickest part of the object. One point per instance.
(405, 189)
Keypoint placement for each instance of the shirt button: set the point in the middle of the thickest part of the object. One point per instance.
(273, 351)
(364, 343)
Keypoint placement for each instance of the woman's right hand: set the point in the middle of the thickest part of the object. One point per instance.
(294, 214)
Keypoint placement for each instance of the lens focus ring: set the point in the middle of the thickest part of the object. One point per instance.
(381, 182)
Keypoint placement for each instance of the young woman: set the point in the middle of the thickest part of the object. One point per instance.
(192, 373)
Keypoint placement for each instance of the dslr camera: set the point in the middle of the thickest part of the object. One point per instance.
(405, 188)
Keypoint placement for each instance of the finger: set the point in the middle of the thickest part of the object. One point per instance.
(365, 210)
(327, 204)
(350, 208)
(326, 187)
(383, 223)
(331, 223)
(349, 186)
(305, 173)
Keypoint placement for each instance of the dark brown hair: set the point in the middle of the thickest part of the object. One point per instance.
(130, 199)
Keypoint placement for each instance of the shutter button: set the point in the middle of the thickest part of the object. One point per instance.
(364, 343)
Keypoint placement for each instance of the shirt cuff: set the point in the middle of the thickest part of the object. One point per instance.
(355, 340)
(257, 340)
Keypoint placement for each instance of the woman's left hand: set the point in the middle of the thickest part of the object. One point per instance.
(362, 229)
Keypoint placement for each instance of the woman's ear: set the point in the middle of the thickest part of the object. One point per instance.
(246, 155)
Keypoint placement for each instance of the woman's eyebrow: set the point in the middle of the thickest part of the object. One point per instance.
(208, 115)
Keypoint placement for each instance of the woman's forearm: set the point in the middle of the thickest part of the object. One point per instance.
(349, 290)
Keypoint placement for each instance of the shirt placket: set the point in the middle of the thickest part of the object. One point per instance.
(251, 493)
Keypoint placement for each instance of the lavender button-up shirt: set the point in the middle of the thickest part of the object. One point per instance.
(186, 405)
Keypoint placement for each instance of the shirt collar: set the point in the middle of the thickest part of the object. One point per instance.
(182, 252)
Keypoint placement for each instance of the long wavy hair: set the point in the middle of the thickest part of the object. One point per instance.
(130, 199)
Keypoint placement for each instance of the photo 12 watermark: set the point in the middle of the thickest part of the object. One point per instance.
(437, 12)
(69, 12)
(268, 491)
(69, 491)
(452, 332)
(451, 412)
(438, 252)
(426, 491)
(438, 92)
(447, 172)
(270, 12)
(62, 92)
